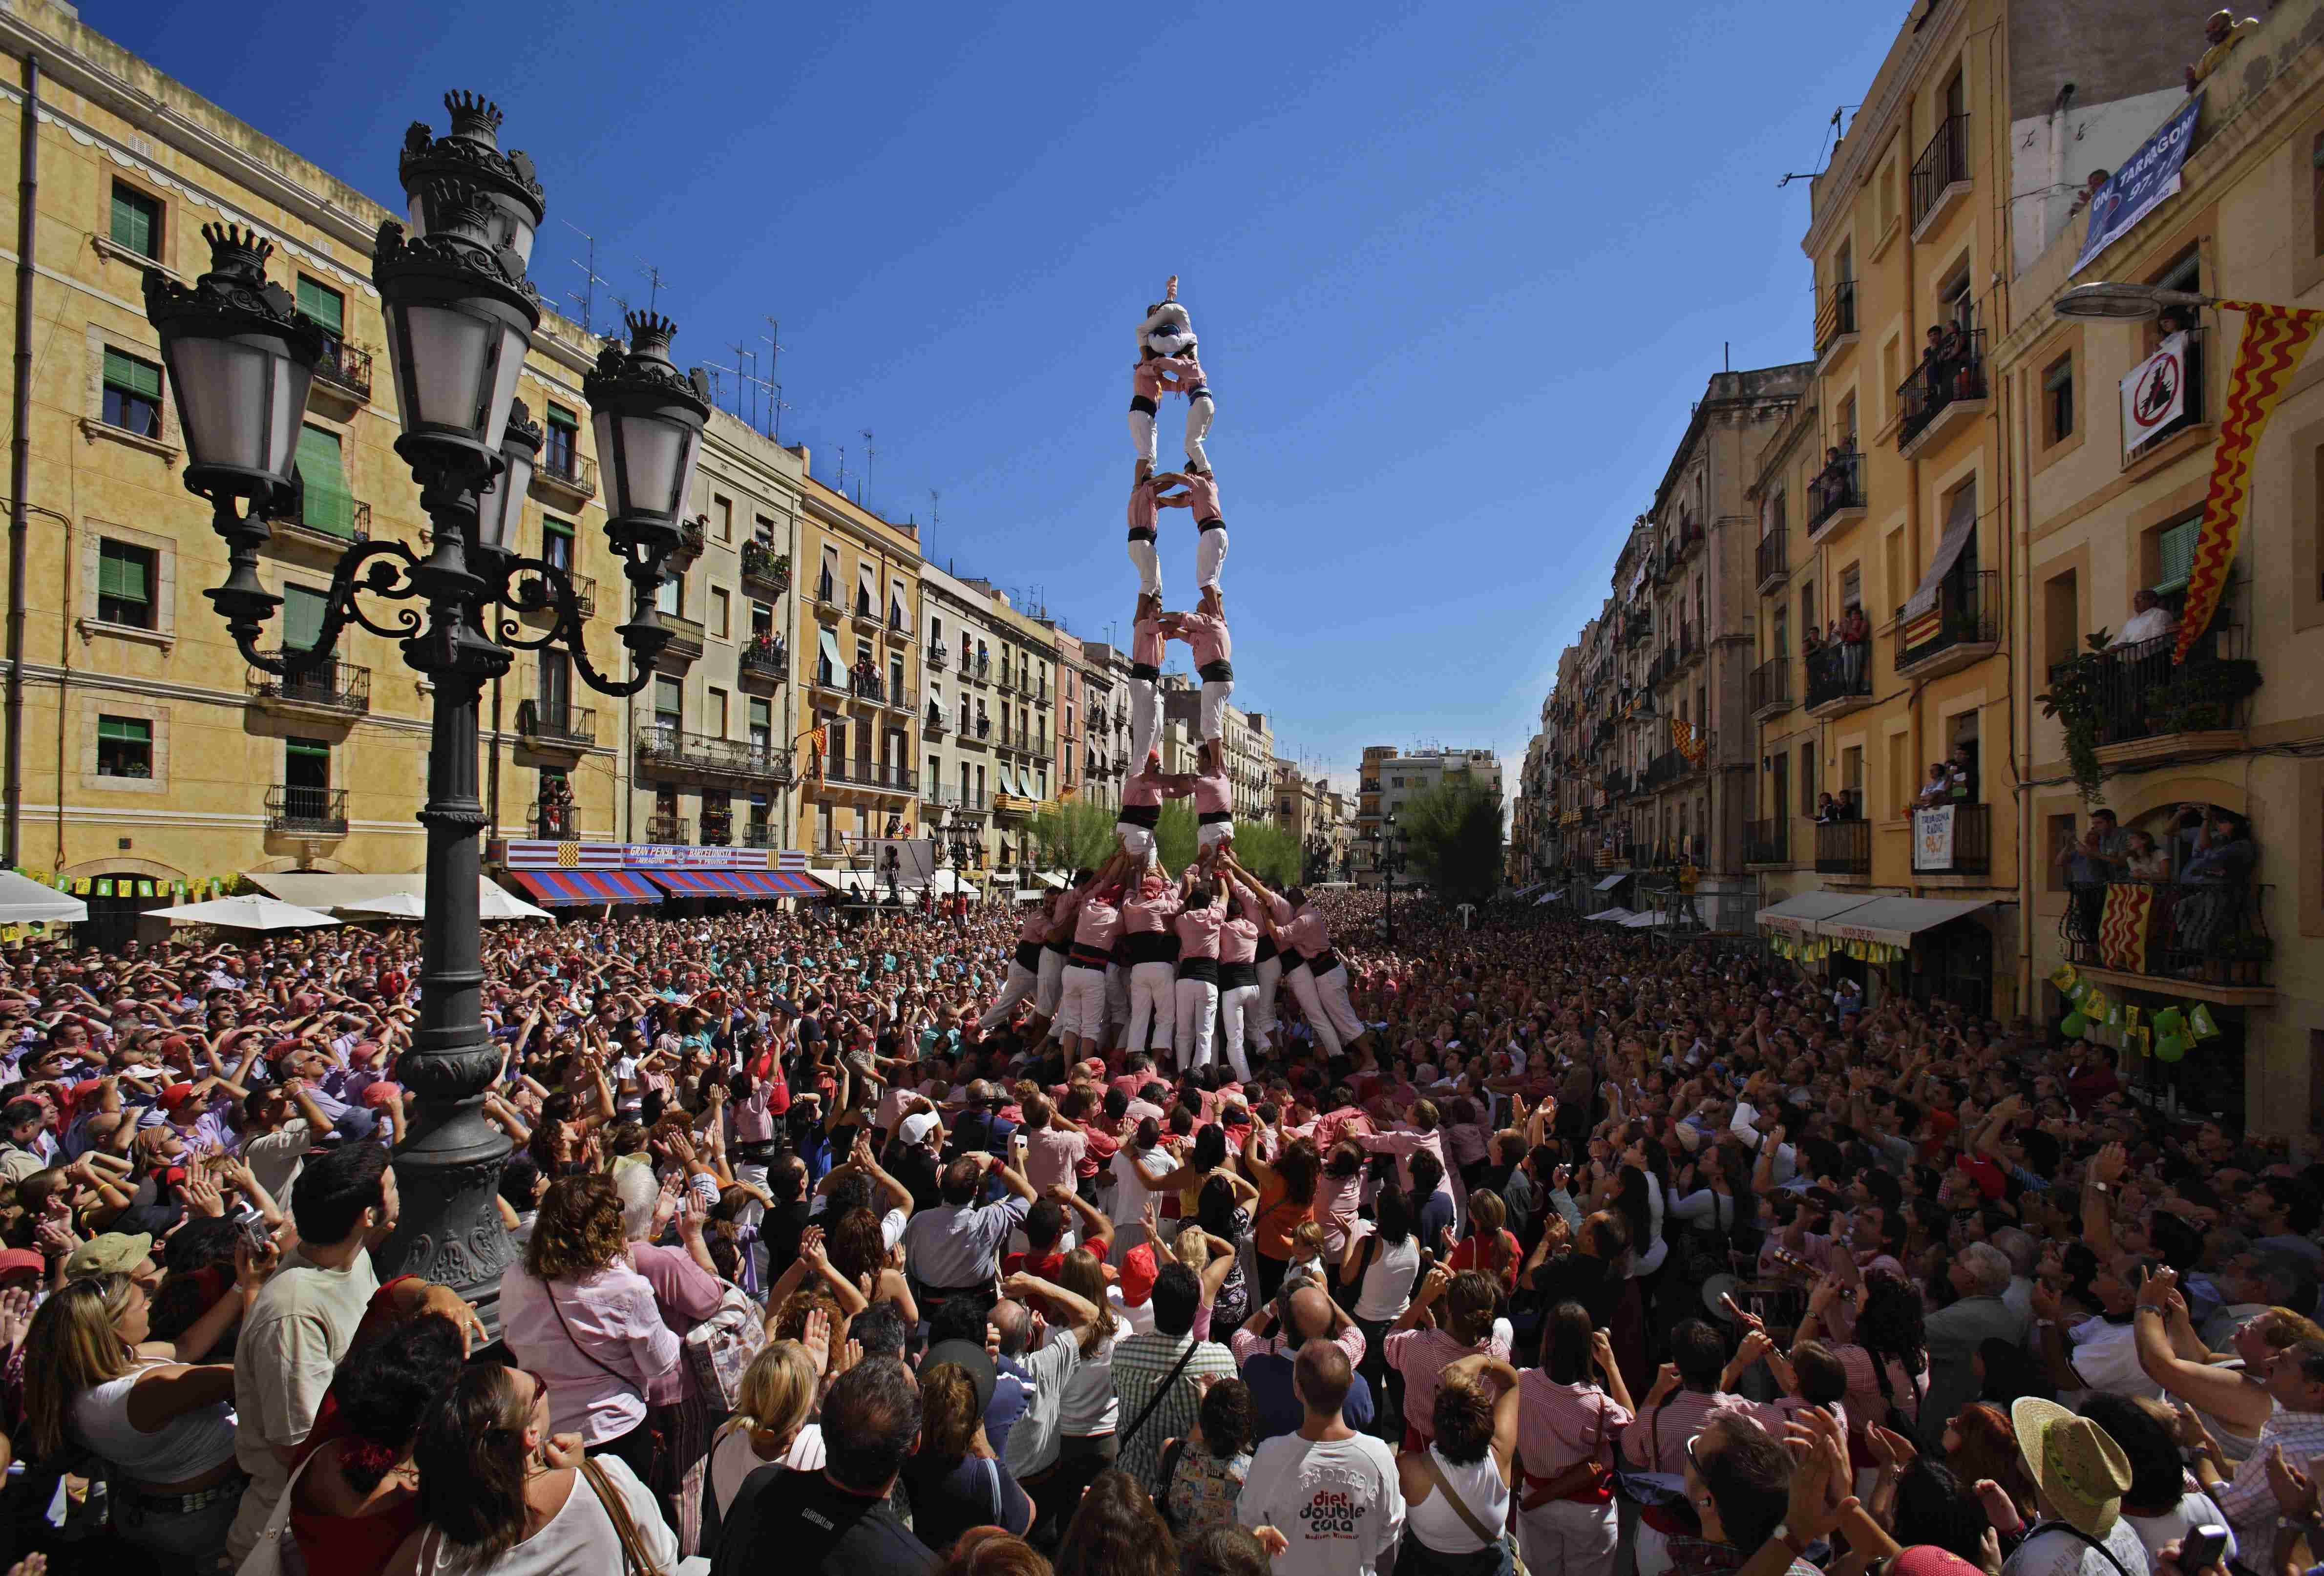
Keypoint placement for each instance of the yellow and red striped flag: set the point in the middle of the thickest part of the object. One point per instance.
(2274, 340)
(2122, 926)
(818, 739)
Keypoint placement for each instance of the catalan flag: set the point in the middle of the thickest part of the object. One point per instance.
(2274, 340)
(1926, 627)
(818, 739)
(1683, 740)
(2122, 926)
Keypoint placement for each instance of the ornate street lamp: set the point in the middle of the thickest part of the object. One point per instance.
(2123, 302)
(460, 318)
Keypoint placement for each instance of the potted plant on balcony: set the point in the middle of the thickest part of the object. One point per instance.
(2074, 697)
(2203, 694)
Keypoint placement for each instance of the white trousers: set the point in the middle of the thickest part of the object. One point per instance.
(1211, 833)
(1199, 411)
(1145, 722)
(1021, 983)
(1081, 1002)
(1149, 564)
(1152, 1004)
(1141, 435)
(1198, 1017)
(1117, 1001)
(1052, 977)
(1303, 991)
(1234, 1022)
(1210, 553)
(1331, 990)
(1260, 1021)
(1136, 841)
(1215, 693)
(1570, 1538)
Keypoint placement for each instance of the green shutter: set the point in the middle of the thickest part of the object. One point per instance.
(125, 730)
(307, 750)
(303, 617)
(553, 526)
(558, 415)
(323, 304)
(133, 221)
(126, 372)
(2175, 550)
(330, 507)
(121, 573)
(762, 713)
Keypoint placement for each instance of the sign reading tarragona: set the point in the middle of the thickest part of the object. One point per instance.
(2145, 179)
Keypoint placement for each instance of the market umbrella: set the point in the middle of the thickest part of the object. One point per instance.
(248, 913)
(23, 900)
(389, 906)
(496, 902)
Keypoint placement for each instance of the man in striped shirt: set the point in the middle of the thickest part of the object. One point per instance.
(2294, 1378)
(1166, 1361)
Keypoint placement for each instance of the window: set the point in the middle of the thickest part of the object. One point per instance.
(1807, 779)
(670, 596)
(1904, 782)
(557, 541)
(1851, 769)
(136, 221)
(2058, 399)
(1953, 299)
(2061, 617)
(307, 773)
(669, 704)
(2174, 554)
(560, 447)
(1848, 428)
(762, 530)
(895, 605)
(133, 394)
(1807, 608)
(1851, 588)
(556, 687)
(722, 611)
(325, 503)
(896, 679)
(722, 517)
(715, 717)
(761, 723)
(125, 747)
(303, 617)
(326, 307)
(1894, 557)
(762, 621)
(126, 581)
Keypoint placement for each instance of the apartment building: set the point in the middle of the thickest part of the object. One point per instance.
(959, 752)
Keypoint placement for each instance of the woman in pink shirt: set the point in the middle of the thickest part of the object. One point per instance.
(1567, 1426)
(1152, 949)
(1198, 923)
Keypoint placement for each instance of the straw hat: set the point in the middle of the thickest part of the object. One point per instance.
(2080, 1470)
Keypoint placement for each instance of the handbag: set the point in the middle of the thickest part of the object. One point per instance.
(635, 1560)
(1651, 1490)
(265, 1556)
(720, 1348)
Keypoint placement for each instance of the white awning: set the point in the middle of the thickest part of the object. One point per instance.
(1030, 894)
(946, 882)
(1614, 915)
(1050, 880)
(24, 900)
(1895, 920)
(1646, 921)
(326, 890)
(1548, 898)
(1960, 531)
(1798, 915)
(1609, 883)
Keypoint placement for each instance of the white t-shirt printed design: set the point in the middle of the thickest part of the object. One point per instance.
(1337, 1502)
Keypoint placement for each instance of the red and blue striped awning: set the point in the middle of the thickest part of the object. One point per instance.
(735, 883)
(565, 888)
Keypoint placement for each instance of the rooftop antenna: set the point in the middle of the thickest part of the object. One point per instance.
(869, 453)
(843, 470)
(934, 498)
(587, 294)
(653, 284)
(779, 405)
(774, 347)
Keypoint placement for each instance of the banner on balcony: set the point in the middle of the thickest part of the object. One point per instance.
(2145, 180)
(2122, 926)
(2274, 339)
(1683, 740)
(1932, 838)
(2154, 394)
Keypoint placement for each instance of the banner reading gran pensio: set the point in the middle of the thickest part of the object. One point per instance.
(2148, 177)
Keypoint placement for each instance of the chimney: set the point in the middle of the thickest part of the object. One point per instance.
(807, 465)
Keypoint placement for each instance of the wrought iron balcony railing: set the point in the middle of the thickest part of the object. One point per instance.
(556, 722)
(1767, 842)
(1939, 381)
(673, 831)
(666, 751)
(2200, 931)
(1835, 314)
(1768, 687)
(555, 822)
(763, 563)
(1843, 848)
(1838, 487)
(313, 812)
(331, 685)
(1943, 162)
(1968, 612)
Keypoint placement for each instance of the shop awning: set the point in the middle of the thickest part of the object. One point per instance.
(1608, 884)
(1798, 915)
(1895, 920)
(1548, 898)
(23, 900)
(1614, 915)
(1646, 921)
(565, 888)
(1030, 894)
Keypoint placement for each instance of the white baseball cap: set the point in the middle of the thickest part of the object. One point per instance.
(918, 1127)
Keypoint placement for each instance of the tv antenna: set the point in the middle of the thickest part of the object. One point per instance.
(869, 453)
(933, 499)
(587, 296)
(654, 283)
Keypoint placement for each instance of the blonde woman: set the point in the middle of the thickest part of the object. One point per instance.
(164, 1430)
(771, 1420)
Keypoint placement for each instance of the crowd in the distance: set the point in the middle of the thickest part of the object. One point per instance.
(1590, 1251)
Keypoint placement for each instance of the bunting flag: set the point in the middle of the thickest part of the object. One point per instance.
(2274, 340)
(2063, 977)
(2199, 1018)
(1683, 740)
(2122, 926)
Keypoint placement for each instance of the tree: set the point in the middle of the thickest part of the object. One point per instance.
(1453, 834)
(1078, 834)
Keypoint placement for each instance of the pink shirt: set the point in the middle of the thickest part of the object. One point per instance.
(1237, 940)
(1099, 924)
(1246, 1345)
(1149, 915)
(1146, 378)
(1658, 1442)
(1198, 932)
(1036, 925)
(1564, 1426)
(1142, 515)
(1208, 636)
(610, 1318)
(1421, 1356)
(1308, 934)
(1053, 1156)
(1214, 793)
(1146, 634)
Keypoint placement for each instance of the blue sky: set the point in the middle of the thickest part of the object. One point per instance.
(1459, 272)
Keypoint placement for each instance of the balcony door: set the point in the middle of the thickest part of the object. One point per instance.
(669, 710)
(307, 778)
(555, 688)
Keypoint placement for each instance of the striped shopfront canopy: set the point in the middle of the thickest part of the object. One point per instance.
(565, 888)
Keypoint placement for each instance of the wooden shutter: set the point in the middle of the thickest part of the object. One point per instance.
(123, 573)
(325, 305)
(303, 617)
(2175, 555)
(329, 506)
(127, 371)
(134, 221)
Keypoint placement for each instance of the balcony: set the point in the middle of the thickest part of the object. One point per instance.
(1835, 324)
(718, 830)
(685, 641)
(1840, 680)
(1963, 627)
(2193, 412)
(1618, 785)
(763, 658)
(296, 810)
(934, 722)
(1972, 853)
(2153, 709)
(322, 529)
(979, 671)
(669, 831)
(1664, 769)
(331, 690)
(1945, 392)
(673, 752)
(825, 601)
(585, 597)
(765, 568)
(1940, 174)
(865, 773)
(1836, 494)
(902, 697)
(831, 683)
(1686, 543)
(759, 834)
(1014, 807)
(565, 478)
(553, 822)
(1005, 682)
(342, 378)
(1691, 648)
(1767, 842)
(966, 800)
(1638, 624)
(1843, 848)
(1774, 560)
(898, 630)
(555, 727)
(1768, 688)
(1665, 666)
(935, 657)
(2202, 941)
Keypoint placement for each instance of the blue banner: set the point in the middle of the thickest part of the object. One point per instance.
(2148, 177)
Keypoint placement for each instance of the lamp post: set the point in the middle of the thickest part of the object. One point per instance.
(2125, 302)
(460, 317)
(1391, 860)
